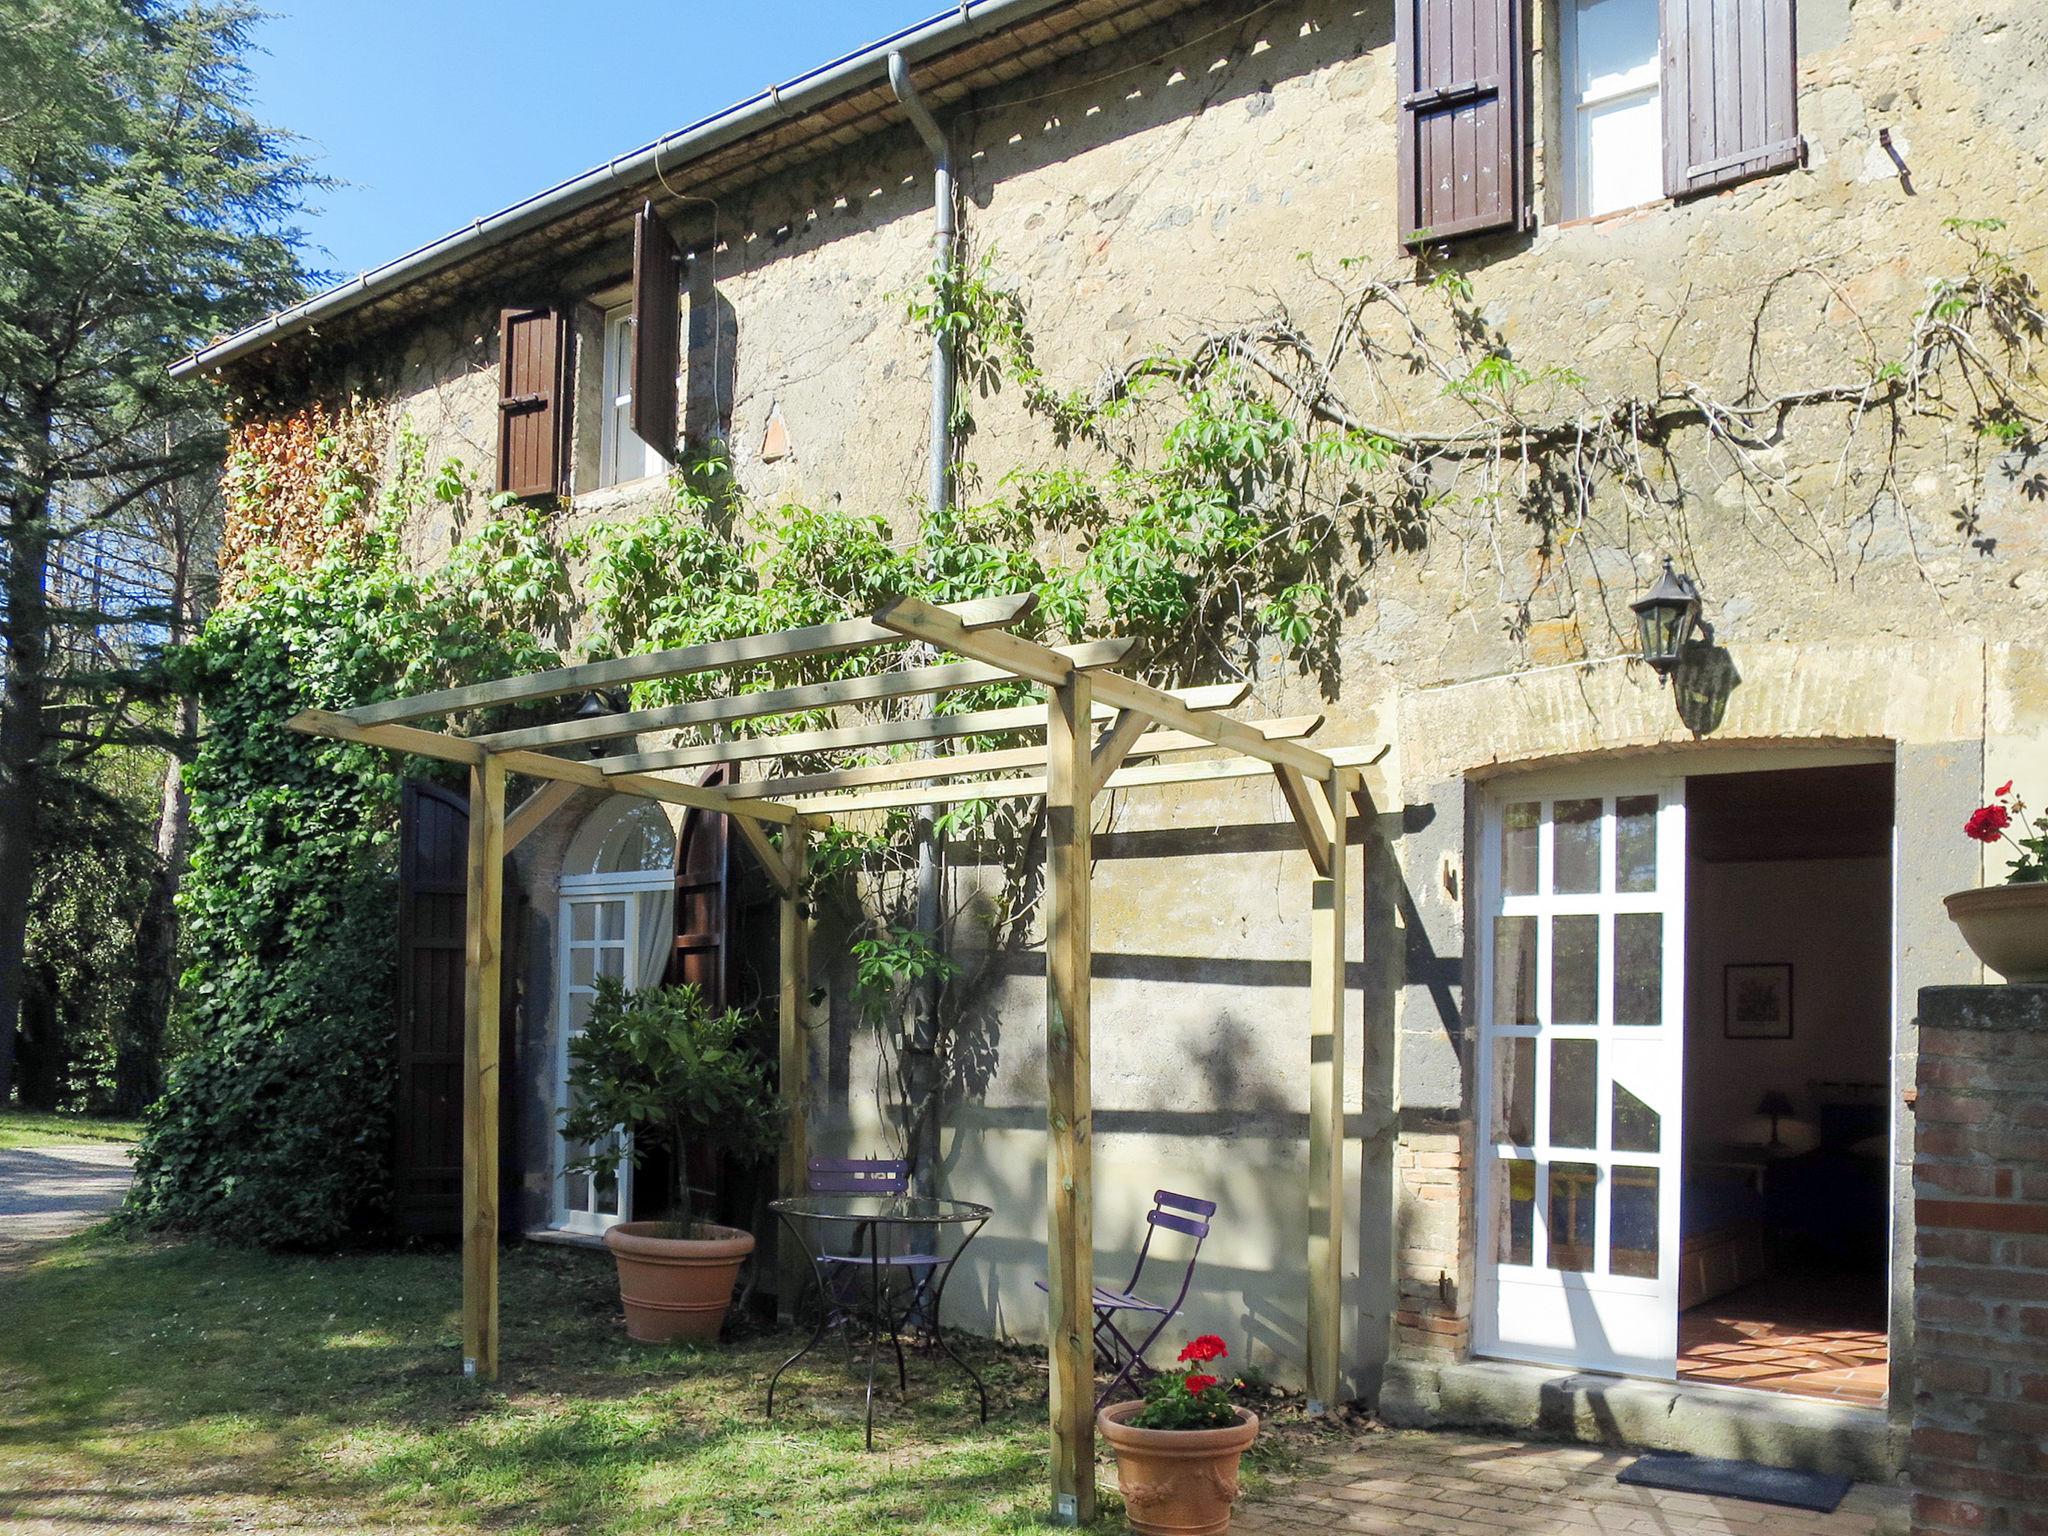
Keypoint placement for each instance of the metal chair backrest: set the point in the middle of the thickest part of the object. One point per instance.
(1184, 1214)
(857, 1176)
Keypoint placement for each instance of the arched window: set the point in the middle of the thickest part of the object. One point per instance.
(616, 919)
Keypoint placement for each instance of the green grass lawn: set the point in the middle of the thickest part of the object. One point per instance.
(206, 1387)
(23, 1128)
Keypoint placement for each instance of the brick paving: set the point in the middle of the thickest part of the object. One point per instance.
(1419, 1483)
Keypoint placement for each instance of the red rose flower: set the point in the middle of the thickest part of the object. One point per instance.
(1200, 1384)
(1204, 1349)
(1987, 823)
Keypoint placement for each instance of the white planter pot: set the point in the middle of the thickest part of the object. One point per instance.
(2006, 926)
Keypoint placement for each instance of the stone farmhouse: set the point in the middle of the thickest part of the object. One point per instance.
(1565, 289)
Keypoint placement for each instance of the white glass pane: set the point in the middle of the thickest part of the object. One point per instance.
(1639, 968)
(1617, 46)
(1575, 969)
(1514, 970)
(1570, 1215)
(1632, 1224)
(1514, 1212)
(1635, 843)
(582, 967)
(1514, 1091)
(582, 921)
(611, 961)
(611, 920)
(1574, 1093)
(1518, 832)
(1575, 848)
(579, 1011)
(1621, 159)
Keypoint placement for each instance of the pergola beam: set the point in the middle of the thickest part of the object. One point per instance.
(877, 734)
(539, 765)
(918, 620)
(536, 808)
(873, 688)
(746, 651)
(931, 769)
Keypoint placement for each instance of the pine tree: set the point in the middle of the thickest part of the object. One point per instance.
(143, 209)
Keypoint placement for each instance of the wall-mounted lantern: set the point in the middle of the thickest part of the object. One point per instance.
(595, 705)
(1665, 620)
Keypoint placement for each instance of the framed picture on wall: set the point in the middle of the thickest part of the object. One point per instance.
(1757, 1002)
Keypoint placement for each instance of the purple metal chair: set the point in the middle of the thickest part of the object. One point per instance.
(872, 1176)
(1112, 1347)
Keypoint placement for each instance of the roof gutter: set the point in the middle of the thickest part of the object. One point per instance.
(968, 19)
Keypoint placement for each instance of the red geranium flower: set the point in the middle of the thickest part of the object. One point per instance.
(1988, 823)
(1200, 1384)
(2003, 790)
(1204, 1349)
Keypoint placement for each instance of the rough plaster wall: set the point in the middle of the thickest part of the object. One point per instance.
(1136, 200)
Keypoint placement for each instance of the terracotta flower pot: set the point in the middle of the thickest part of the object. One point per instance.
(676, 1287)
(2006, 926)
(1176, 1482)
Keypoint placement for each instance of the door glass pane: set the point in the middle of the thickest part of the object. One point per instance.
(1514, 1091)
(575, 1186)
(1514, 970)
(1518, 831)
(1574, 1092)
(1639, 968)
(1514, 1213)
(1575, 969)
(1632, 1223)
(1637, 1127)
(1575, 848)
(1635, 843)
(582, 967)
(611, 961)
(1572, 1187)
(579, 1011)
(583, 921)
(611, 919)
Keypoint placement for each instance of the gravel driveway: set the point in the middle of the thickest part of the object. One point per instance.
(46, 1192)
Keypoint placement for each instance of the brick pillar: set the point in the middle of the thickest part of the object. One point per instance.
(1979, 1456)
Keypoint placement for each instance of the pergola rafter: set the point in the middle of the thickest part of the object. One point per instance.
(1073, 763)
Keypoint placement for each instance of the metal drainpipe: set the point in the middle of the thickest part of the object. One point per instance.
(925, 1004)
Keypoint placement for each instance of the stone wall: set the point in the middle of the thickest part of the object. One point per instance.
(1171, 186)
(1979, 1457)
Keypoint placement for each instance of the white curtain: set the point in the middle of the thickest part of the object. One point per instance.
(656, 940)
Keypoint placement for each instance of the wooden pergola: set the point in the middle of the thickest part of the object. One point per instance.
(1096, 722)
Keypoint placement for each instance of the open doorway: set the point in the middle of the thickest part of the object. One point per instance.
(1784, 1249)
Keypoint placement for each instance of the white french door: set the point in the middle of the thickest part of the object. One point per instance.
(1581, 993)
(599, 938)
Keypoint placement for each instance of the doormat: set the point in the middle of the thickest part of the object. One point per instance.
(1680, 1473)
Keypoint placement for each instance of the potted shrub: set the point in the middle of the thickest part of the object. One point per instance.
(1178, 1447)
(671, 1073)
(2006, 926)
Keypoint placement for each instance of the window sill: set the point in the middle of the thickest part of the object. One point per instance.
(624, 492)
(1615, 215)
(562, 1238)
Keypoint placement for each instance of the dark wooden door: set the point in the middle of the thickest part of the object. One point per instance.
(433, 884)
(433, 906)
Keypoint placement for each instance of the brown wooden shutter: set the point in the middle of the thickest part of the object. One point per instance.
(703, 915)
(1731, 92)
(433, 886)
(1464, 149)
(531, 359)
(657, 332)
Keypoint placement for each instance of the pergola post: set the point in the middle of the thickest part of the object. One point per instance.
(1070, 1175)
(1326, 1101)
(481, 981)
(795, 1054)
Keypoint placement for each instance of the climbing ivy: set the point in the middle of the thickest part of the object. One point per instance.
(274, 1128)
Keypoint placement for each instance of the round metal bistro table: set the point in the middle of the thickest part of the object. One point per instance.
(879, 1261)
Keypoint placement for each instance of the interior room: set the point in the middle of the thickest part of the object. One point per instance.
(1783, 1270)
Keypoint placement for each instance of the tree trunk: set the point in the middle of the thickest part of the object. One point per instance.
(139, 1060)
(26, 629)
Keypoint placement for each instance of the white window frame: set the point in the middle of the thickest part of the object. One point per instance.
(1573, 110)
(622, 456)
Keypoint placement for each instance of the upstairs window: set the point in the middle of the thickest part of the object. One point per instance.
(622, 456)
(1613, 106)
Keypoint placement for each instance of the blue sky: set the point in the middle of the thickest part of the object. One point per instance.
(406, 103)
